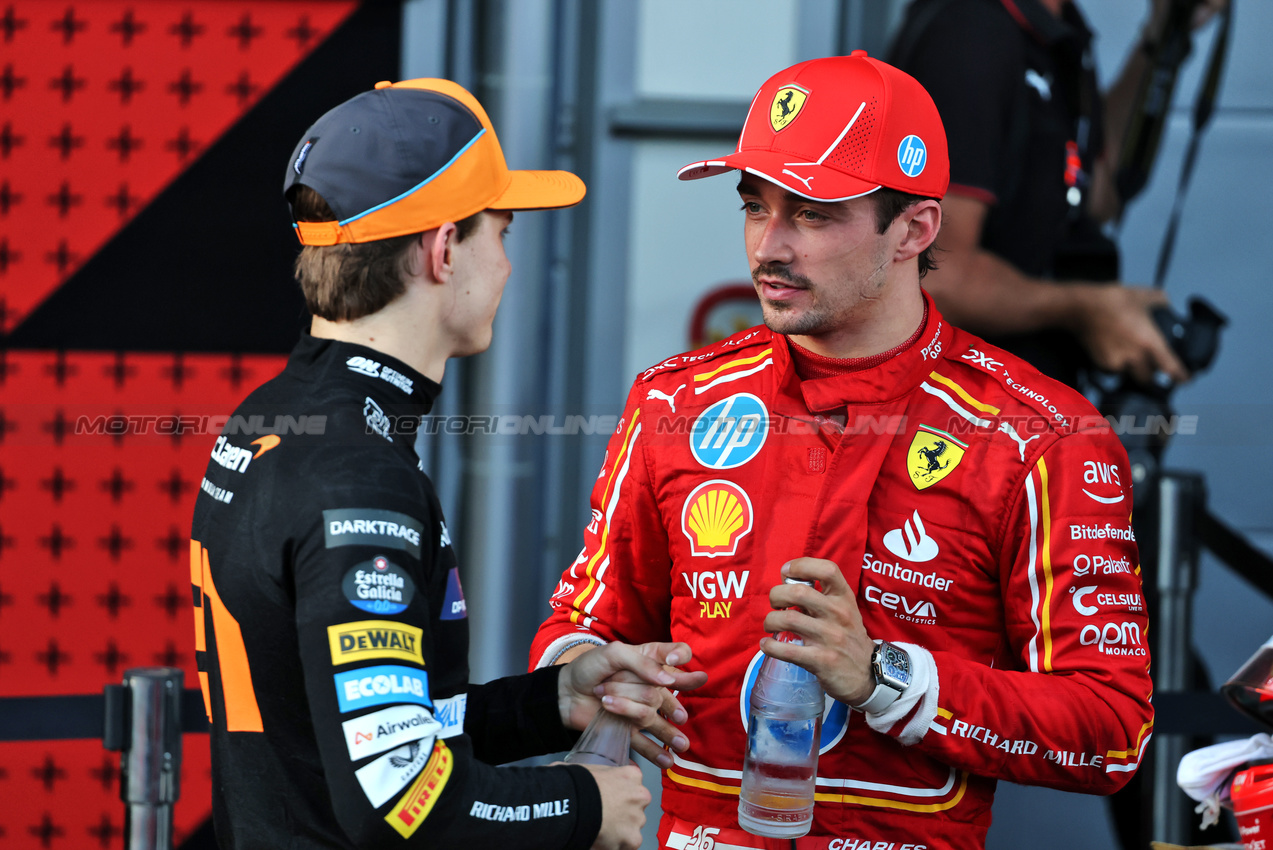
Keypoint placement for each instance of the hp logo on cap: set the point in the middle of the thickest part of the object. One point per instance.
(912, 156)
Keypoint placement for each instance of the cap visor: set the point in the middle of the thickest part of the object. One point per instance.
(809, 180)
(540, 190)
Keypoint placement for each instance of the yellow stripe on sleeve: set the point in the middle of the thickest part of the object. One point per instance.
(739, 361)
(962, 393)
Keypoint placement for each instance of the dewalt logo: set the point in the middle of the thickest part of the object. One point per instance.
(367, 639)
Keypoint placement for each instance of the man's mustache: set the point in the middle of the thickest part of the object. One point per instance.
(781, 272)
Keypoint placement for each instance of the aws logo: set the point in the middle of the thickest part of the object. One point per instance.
(367, 639)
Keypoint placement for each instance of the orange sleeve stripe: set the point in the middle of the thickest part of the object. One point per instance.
(242, 714)
(577, 605)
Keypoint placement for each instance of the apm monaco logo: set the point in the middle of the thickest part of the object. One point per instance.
(912, 156)
(730, 432)
(717, 514)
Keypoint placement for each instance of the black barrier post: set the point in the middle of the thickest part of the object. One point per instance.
(1179, 494)
(143, 722)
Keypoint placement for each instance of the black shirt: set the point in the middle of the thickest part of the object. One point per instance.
(1017, 93)
(332, 635)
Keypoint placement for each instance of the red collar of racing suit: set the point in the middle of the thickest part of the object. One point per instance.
(894, 377)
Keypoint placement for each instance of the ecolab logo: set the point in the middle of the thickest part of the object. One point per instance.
(1105, 532)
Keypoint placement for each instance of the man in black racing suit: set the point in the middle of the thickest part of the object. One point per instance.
(330, 623)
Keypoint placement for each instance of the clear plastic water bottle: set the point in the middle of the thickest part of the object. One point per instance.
(784, 726)
(606, 741)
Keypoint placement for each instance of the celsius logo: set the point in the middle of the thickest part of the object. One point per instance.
(911, 542)
(730, 432)
(1083, 608)
(912, 156)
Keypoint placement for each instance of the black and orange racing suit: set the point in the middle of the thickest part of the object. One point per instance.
(332, 635)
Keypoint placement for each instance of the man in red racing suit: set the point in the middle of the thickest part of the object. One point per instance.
(977, 511)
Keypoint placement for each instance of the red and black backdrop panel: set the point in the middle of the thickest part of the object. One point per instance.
(145, 288)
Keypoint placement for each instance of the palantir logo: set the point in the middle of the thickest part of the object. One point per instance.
(911, 542)
(912, 156)
(730, 432)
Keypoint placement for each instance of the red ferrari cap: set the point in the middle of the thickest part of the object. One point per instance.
(837, 128)
(407, 157)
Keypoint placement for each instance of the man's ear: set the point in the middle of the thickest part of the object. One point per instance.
(923, 221)
(440, 252)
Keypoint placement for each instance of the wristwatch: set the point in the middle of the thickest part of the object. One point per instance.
(891, 667)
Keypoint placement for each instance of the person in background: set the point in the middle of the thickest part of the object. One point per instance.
(1033, 148)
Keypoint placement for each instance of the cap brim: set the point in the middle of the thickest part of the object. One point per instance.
(809, 180)
(540, 190)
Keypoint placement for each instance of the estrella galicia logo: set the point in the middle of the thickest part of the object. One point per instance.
(378, 586)
(730, 432)
(835, 714)
(912, 156)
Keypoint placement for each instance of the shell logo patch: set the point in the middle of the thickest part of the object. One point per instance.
(933, 455)
(717, 514)
(788, 102)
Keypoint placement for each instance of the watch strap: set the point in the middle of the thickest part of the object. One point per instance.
(880, 699)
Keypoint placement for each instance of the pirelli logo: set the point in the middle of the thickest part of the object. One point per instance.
(366, 639)
(415, 805)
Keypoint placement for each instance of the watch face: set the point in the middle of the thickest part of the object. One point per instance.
(895, 665)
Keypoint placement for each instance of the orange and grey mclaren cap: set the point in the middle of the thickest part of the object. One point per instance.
(408, 157)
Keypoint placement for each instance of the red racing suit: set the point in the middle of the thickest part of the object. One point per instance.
(979, 511)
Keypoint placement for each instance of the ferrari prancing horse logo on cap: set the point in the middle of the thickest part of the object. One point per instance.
(786, 106)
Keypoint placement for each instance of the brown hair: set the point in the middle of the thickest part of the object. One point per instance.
(889, 204)
(352, 280)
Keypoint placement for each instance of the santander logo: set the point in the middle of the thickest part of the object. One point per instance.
(911, 542)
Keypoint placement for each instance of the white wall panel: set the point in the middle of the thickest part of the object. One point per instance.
(712, 49)
(687, 237)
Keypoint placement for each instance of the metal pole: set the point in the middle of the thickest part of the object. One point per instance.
(150, 761)
(1179, 495)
